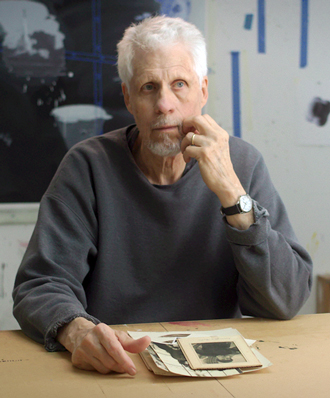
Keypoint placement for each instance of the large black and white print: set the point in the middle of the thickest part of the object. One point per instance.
(59, 82)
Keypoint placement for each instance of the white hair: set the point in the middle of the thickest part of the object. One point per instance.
(155, 32)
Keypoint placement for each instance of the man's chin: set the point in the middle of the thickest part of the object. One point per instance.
(164, 149)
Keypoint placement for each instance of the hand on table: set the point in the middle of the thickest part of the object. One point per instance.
(98, 347)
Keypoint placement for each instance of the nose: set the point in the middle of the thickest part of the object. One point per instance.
(165, 102)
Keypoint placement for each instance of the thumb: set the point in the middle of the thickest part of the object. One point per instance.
(132, 345)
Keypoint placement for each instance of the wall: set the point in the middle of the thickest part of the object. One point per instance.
(16, 226)
(276, 93)
(282, 69)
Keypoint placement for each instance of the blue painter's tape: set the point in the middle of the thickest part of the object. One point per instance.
(304, 33)
(248, 21)
(261, 27)
(236, 94)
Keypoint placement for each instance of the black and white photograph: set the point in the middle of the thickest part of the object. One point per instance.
(218, 352)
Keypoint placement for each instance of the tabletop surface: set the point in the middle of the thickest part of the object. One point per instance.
(299, 350)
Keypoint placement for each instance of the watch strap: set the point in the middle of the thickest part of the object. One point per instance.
(232, 210)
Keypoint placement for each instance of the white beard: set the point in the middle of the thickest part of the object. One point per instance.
(166, 147)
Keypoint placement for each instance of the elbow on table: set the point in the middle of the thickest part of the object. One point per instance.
(279, 312)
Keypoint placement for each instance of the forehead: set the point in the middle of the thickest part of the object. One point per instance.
(163, 61)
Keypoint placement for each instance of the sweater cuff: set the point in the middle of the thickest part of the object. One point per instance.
(51, 343)
(257, 233)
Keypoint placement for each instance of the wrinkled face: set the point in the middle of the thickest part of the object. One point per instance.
(164, 90)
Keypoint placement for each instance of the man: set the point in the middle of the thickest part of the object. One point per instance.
(152, 222)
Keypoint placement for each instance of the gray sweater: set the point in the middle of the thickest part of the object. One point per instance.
(113, 248)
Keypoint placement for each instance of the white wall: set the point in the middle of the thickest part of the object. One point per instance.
(275, 96)
(16, 226)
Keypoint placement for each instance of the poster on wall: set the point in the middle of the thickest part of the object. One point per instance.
(59, 83)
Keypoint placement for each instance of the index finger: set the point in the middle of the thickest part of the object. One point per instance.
(193, 123)
(111, 344)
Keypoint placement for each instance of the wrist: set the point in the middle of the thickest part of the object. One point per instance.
(241, 221)
(242, 205)
(230, 195)
(68, 334)
(240, 215)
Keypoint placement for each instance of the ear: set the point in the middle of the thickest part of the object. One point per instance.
(126, 97)
(205, 91)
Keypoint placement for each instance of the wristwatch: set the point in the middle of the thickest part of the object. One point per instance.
(244, 205)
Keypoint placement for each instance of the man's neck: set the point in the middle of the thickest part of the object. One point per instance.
(158, 169)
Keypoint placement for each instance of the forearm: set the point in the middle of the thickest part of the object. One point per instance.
(48, 290)
(42, 310)
(275, 272)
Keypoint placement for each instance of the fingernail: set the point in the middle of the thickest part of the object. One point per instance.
(132, 371)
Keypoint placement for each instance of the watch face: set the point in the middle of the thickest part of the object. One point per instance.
(245, 203)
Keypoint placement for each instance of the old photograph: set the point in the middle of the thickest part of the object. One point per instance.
(218, 352)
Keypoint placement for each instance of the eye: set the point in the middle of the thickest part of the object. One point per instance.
(148, 87)
(179, 84)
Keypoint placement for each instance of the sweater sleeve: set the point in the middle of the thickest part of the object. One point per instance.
(48, 291)
(275, 271)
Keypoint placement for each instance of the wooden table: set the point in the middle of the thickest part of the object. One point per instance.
(299, 350)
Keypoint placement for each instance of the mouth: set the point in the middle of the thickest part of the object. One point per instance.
(170, 130)
(166, 128)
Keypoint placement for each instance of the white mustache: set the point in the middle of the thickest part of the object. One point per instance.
(163, 121)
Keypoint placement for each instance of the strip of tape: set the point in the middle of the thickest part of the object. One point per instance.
(236, 94)
(304, 33)
(261, 27)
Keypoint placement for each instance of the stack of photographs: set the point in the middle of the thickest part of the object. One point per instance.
(212, 353)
